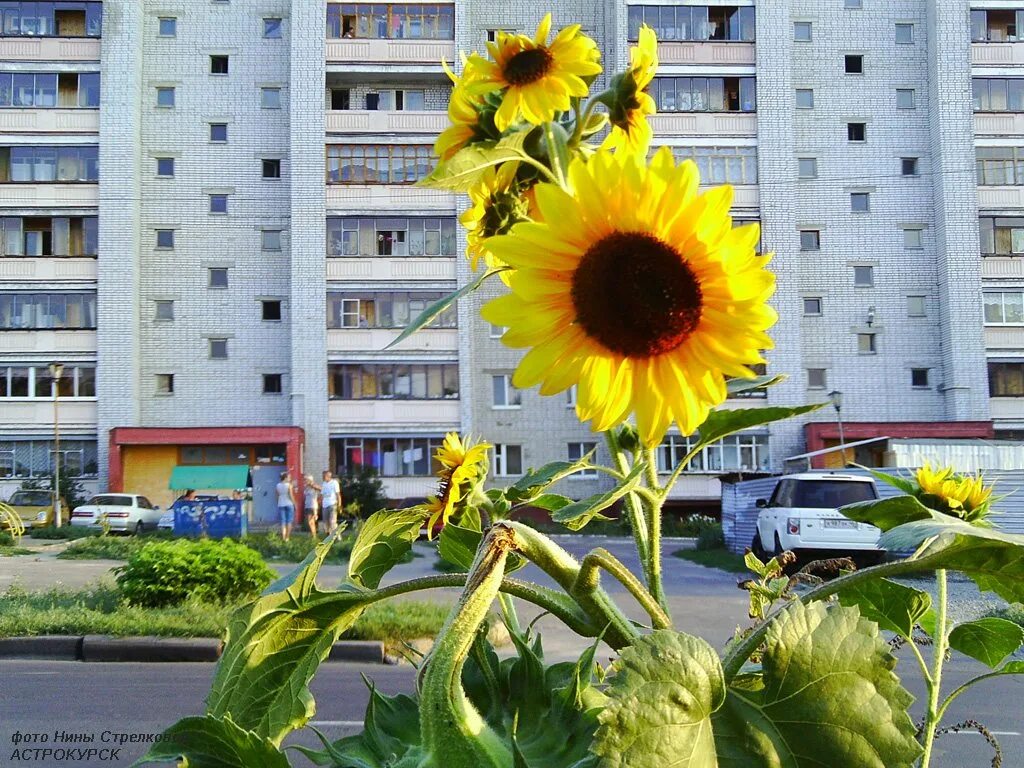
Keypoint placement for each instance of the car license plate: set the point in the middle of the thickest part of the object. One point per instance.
(847, 524)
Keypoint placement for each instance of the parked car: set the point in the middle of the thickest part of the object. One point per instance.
(166, 522)
(35, 508)
(124, 512)
(803, 516)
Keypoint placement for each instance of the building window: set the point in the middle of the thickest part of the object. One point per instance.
(866, 343)
(904, 34)
(681, 23)
(164, 310)
(807, 167)
(390, 237)
(576, 452)
(165, 238)
(385, 309)
(218, 349)
(908, 166)
(802, 31)
(272, 29)
(165, 166)
(737, 453)
(379, 163)
(810, 240)
(218, 203)
(1001, 236)
(812, 305)
(919, 377)
(1004, 307)
(856, 131)
(496, 331)
(853, 64)
(165, 383)
(853, 4)
(570, 397)
(391, 22)
(32, 236)
(864, 277)
(996, 26)
(168, 27)
(271, 168)
(22, 459)
(805, 98)
(270, 309)
(218, 277)
(916, 306)
(816, 378)
(41, 311)
(1000, 166)
(165, 97)
(704, 94)
(270, 98)
(340, 99)
(50, 90)
(508, 460)
(270, 240)
(390, 456)
(49, 164)
(721, 165)
(65, 19)
(998, 94)
(504, 394)
(218, 132)
(905, 98)
(273, 383)
(396, 100)
(218, 65)
(860, 202)
(393, 381)
(492, 34)
(913, 239)
(35, 382)
(1006, 379)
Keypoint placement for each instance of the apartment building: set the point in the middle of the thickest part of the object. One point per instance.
(209, 218)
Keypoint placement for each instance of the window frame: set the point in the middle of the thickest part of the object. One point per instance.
(217, 347)
(817, 300)
(812, 373)
(211, 271)
(582, 448)
(501, 456)
(807, 245)
(511, 395)
(273, 383)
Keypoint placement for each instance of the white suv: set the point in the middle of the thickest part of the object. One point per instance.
(803, 516)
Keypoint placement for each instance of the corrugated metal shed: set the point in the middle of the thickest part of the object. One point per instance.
(739, 510)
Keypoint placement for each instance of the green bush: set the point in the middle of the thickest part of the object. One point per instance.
(711, 537)
(163, 573)
(64, 532)
(688, 527)
(295, 550)
(6, 540)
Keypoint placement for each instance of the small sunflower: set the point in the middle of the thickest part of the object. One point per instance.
(497, 204)
(466, 111)
(957, 495)
(637, 289)
(538, 78)
(628, 102)
(463, 465)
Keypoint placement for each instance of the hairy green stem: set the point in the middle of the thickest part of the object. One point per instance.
(736, 658)
(633, 511)
(931, 721)
(508, 609)
(674, 477)
(556, 163)
(589, 577)
(563, 568)
(654, 581)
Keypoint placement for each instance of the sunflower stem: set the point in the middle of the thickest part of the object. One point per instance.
(931, 720)
(577, 130)
(636, 520)
(556, 164)
(589, 579)
(508, 609)
(654, 528)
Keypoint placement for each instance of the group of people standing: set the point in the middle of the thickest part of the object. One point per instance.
(321, 501)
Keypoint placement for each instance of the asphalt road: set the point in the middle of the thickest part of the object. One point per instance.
(145, 698)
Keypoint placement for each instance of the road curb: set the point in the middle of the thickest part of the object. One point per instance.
(150, 650)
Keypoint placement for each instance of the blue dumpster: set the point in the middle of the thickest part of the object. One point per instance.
(216, 518)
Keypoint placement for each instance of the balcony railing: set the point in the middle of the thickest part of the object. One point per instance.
(374, 121)
(43, 195)
(47, 268)
(997, 53)
(441, 415)
(1000, 197)
(355, 197)
(999, 123)
(1004, 337)
(419, 52)
(49, 120)
(376, 339)
(390, 268)
(47, 341)
(709, 52)
(705, 124)
(74, 414)
(49, 49)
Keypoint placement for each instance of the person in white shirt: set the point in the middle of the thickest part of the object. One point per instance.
(311, 497)
(330, 499)
(286, 504)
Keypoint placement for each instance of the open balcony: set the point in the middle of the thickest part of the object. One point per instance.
(437, 415)
(382, 268)
(43, 269)
(74, 414)
(376, 339)
(47, 341)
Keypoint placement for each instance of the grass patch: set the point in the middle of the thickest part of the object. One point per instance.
(102, 610)
(62, 533)
(15, 551)
(270, 545)
(722, 559)
(104, 548)
(671, 525)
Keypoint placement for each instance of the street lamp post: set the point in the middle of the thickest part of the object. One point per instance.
(837, 402)
(56, 371)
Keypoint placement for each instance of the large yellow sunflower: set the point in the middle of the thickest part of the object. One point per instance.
(637, 289)
(497, 204)
(538, 78)
(463, 465)
(629, 103)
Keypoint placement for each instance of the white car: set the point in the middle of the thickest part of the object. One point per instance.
(124, 512)
(803, 516)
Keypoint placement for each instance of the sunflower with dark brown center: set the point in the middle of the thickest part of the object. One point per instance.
(638, 290)
(538, 78)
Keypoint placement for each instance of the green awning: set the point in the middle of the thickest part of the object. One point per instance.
(204, 478)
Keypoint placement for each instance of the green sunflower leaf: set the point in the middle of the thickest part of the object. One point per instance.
(893, 606)
(576, 515)
(988, 640)
(536, 481)
(896, 481)
(467, 167)
(383, 541)
(458, 546)
(886, 514)
(724, 422)
(439, 306)
(740, 386)
(210, 742)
